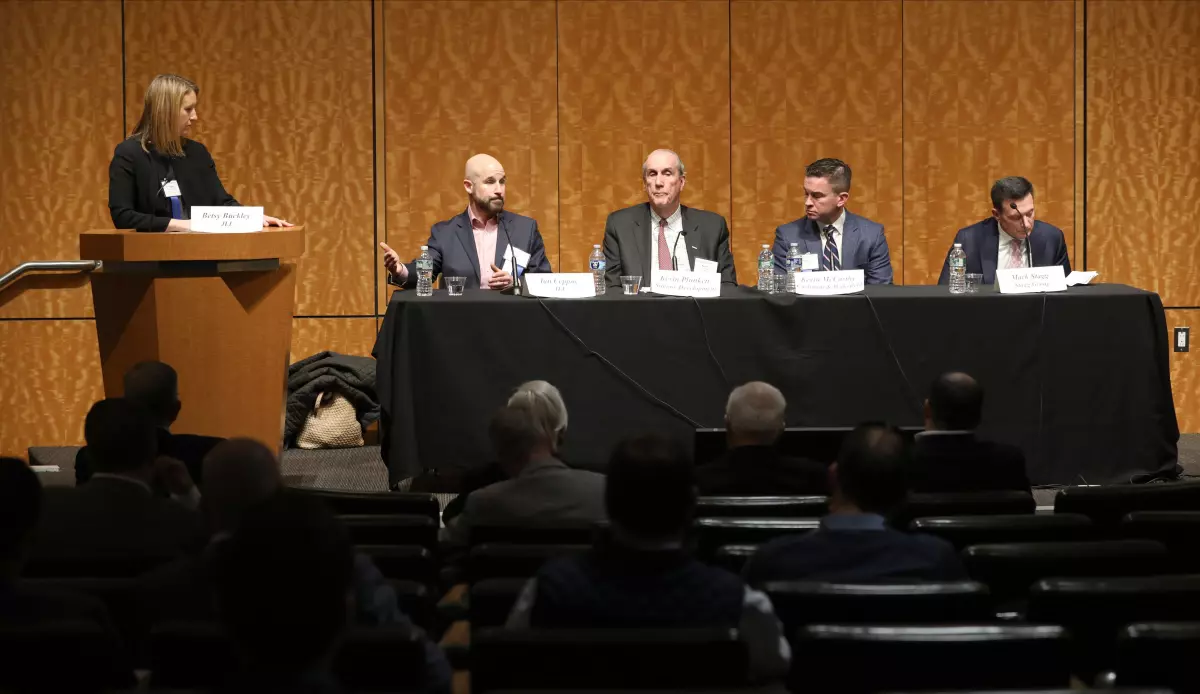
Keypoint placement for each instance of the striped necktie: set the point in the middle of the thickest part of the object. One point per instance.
(830, 259)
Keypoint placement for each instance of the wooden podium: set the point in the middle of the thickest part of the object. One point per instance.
(217, 307)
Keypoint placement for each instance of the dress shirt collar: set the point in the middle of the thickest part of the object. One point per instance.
(124, 478)
(948, 432)
(839, 224)
(853, 521)
(478, 223)
(675, 216)
(1006, 239)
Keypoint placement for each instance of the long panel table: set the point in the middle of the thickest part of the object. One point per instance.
(1079, 380)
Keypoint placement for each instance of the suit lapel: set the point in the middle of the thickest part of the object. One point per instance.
(809, 237)
(641, 224)
(1031, 242)
(849, 240)
(463, 232)
(501, 241)
(692, 227)
(990, 244)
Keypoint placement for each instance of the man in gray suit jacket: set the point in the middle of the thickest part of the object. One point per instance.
(661, 233)
(841, 239)
(540, 489)
(474, 244)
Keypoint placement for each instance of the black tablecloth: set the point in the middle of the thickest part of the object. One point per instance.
(1079, 380)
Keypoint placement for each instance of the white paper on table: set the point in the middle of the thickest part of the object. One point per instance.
(703, 265)
(1081, 277)
(702, 285)
(227, 220)
(522, 261)
(1031, 280)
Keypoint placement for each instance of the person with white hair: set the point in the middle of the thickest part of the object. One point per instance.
(538, 488)
(754, 421)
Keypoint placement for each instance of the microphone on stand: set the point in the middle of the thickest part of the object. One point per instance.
(1028, 245)
(674, 263)
(512, 252)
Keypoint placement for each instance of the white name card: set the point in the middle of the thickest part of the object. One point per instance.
(1032, 280)
(702, 285)
(830, 283)
(560, 285)
(229, 220)
(1081, 277)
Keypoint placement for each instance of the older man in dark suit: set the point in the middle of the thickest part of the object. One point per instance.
(949, 457)
(662, 234)
(116, 515)
(475, 244)
(1011, 238)
(841, 239)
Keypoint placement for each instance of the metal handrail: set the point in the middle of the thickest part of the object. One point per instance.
(48, 266)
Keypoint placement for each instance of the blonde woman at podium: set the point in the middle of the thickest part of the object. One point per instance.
(157, 174)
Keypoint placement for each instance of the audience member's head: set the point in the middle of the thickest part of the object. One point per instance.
(239, 474)
(550, 399)
(155, 386)
(955, 403)
(870, 473)
(20, 506)
(282, 584)
(649, 493)
(121, 438)
(523, 432)
(754, 415)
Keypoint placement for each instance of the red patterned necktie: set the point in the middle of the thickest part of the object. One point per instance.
(664, 251)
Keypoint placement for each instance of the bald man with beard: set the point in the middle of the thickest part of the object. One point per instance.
(475, 243)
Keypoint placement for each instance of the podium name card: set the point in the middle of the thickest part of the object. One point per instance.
(701, 285)
(830, 283)
(1032, 280)
(229, 220)
(560, 285)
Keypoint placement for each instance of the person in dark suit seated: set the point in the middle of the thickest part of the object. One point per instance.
(20, 507)
(1011, 238)
(841, 239)
(754, 421)
(662, 234)
(116, 515)
(854, 544)
(157, 175)
(640, 575)
(155, 386)
(281, 583)
(540, 489)
(949, 457)
(475, 244)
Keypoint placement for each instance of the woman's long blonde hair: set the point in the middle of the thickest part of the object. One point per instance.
(159, 124)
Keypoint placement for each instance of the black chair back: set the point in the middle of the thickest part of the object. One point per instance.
(403, 562)
(566, 534)
(963, 531)
(197, 654)
(732, 558)
(862, 659)
(1178, 530)
(377, 503)
(416, 601)
(499, 560)
(63, 656)
(712, 533)
(1010, 569)
(800, 603)
(491, 600)
(606, 658)
(762, 506)
(1157, 654)
(92, 567)
(376, 529)
(1107, 505)
(961, 504)
(1095, 610)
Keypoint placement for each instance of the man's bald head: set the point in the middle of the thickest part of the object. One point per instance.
(155, 387)
(238, 475)
(955, 402)
(754, 414)
(484, 180)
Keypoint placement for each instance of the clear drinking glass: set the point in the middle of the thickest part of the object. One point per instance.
(974, 279)
(455, 285)
(779, 284)
(631, 284)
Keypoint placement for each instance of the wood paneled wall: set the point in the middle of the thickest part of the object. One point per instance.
(355, 117)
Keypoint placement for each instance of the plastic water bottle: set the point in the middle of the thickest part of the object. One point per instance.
(766, 270)
(958, 270)
(793, 265)
(425, 273)
(597, 264)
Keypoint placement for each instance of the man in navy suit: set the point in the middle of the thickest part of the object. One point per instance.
(475, 243)
(1010, 238)
(842, 239)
